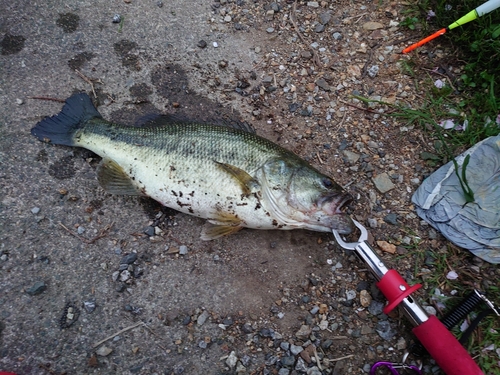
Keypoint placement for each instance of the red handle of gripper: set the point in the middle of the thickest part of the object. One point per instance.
(395, 289)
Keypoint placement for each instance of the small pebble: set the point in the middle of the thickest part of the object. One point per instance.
(296, 349)
(202, 44)
(202, 318)
(215, 44)
(314, 310)
(373, 71)
(270, 30)
(391, 219)
(231, 360)
(117, 18)
(125, 275)
(183, 250)
(35, 210)
(350, 294)
(372, 222)
(89, 306)
(103, 351)
(385, 330)
(37, 288)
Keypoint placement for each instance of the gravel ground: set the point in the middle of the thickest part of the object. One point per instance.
(97, 284)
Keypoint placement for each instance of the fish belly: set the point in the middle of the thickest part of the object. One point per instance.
(192, 185)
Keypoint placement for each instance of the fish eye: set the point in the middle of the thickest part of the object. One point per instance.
(327, 183)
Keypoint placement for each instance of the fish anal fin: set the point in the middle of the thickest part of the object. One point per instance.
(248, 183)
(213, 231)
(114, 180)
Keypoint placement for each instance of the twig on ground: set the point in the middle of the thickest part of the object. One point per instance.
(103, 232)
(118, 333)
(318, 362)
(319, 158)
(341, 358)
(86, 79)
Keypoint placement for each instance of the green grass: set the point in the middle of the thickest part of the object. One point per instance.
(473, 50)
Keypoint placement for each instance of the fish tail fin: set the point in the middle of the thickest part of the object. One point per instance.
(61, 128)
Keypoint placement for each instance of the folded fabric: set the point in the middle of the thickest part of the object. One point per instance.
(440, 201)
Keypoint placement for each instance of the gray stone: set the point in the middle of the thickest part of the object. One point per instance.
(149, 230)
(183, 250)
(202, 318)
(35, 210)
(313, 371)
(325, 17)
(231, 360)
(376, 308)
(304, 332)
(295, 349)
(391, 219)
(288, 360)
(351, 157)
(103, 351)
(301, 365)
(129, 258)
(319, 28)
(323, 84)
(385, 330)
(372, 222)
(373, 70)
(89, 306)
(37, 288)
(284, 345)
(124, 276)
(337, 35)
(383, 182)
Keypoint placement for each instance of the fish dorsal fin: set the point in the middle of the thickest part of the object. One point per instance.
(155, 120)
(114, 180)
(248, 183)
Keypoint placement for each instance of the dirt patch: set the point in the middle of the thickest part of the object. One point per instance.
(12, 44)
(77, 61)
(68, 22)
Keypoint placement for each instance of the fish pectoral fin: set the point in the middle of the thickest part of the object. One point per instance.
(248, 183)
(213, 231)
(114, 180)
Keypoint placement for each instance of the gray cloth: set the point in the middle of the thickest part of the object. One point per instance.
(474, 226)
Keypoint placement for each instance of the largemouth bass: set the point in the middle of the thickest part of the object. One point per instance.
(232, 178)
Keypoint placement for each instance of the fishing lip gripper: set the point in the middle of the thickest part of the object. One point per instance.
(448, 353)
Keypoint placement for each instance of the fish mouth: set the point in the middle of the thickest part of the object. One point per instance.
(335, 207)
(335, 204)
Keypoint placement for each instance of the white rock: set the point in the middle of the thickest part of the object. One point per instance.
(103, 351)
(232, 360)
